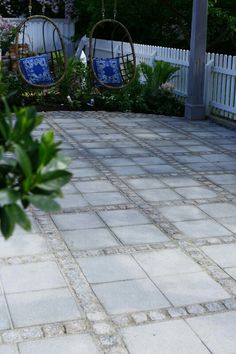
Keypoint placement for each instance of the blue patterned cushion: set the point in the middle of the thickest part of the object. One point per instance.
(108, 71)
(36, 70)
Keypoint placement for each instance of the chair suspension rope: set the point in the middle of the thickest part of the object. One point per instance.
(103, 9)
(114, 10)
(43, 7)
(30, 7)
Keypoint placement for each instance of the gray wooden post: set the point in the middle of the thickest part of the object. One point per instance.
(194, 107)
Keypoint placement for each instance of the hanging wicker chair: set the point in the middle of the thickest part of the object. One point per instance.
(40, 52)
(117, 69)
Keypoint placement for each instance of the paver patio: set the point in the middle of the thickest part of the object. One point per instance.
(142, 257)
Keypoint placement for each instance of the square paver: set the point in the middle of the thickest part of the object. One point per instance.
(110, 268)
(89, 239)
(169, 337)
(4, 318)
(145, 183)
(130, 296)
(227, 166)
(223, 255)
(181, 181)
(216, 331)
(218, 158)
(74, 221)
(31, 276)
(127, 170)
(200, 148)
(196, 192)
(79, 164)
(95, 186)
(158, 195)
(8, 349)
(69, 188)
(160, 169)
(40, 307)
(184, 159)
(22, 245)
(166, 262)
(104, 152)
(186, 289)
(229, 223)
(139, 234)
(72, 344)
(85, 172)
(202, 228)
(230, 188)
(72, 201)
(231, 272)
(105, 198)
(207, 166)
(219, 210)
(222, 179)
(118, 162)
(182, 213)
(123, 217)
(149, 160)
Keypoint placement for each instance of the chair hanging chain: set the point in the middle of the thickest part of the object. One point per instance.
(43, 8)
(30, 7)
(115, 9)
(104, 10)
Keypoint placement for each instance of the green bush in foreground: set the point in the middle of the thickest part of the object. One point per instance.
(32, 171)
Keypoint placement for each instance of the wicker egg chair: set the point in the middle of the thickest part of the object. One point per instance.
(116, 69)
(40, 52)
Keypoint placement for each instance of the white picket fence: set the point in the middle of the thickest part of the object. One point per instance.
(220, 83)
(66, 27)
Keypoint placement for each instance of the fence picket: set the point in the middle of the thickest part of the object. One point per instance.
(220, 91)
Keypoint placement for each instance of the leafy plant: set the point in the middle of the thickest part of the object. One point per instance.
(7, 33)
(32, 171)
(157, 75)
(76, 83)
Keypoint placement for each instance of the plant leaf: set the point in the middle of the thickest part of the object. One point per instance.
(44, 202)
(20, 216)
(8, 196)
(23, 160)
(7, 221)
(54, 180)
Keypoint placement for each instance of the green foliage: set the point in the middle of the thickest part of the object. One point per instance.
(165, 22)
(76, 83)
(157, 75)
(31, 170)
(146, 97)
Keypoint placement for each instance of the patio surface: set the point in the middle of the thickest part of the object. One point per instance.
(142, 259)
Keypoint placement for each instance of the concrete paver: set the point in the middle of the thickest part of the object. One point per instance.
(4, 318)
(110, 268)
(31, 276)
(8, 349)
(167, 337)
(130, 296)
(216, 331)
(38, 307)
(191, 288)
(139, 234)
(223, 255)
(77, 344)
(89, 239)
(141, 258)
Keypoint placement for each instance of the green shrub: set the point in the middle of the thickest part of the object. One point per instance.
(32, 171)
